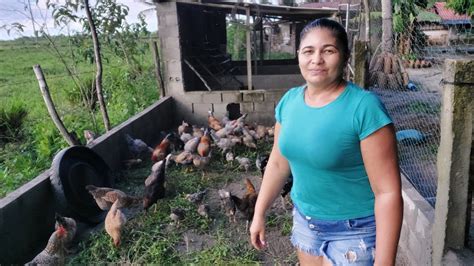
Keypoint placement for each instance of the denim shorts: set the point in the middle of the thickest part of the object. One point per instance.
(342, 242)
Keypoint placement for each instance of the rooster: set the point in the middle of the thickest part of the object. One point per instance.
(160, 151)
(105, 197)
(204, 145)
(55, 251)
(155, 185)
(114, 222)
(246, 204)
(213, 122)
(137, 146)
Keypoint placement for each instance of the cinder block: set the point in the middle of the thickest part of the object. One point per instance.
(201, 108)
(174, 68)
(266, 107)
(232, 97)
(220, 109)
(274, 95)
(171, 19)
(169, 31)
(266, 119)
(246, 107)
(211, 97)
(253, 96)
(171, 41)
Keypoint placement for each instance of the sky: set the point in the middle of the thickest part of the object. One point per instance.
(12, 11)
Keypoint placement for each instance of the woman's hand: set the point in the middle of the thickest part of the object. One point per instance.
(257, 233)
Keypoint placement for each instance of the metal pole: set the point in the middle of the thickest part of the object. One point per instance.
(249, 56)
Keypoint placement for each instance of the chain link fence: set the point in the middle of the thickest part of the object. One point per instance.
(423, 38)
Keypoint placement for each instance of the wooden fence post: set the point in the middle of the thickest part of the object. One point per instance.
(159, 77)
(50, 106)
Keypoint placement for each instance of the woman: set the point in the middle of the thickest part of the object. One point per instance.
(339, 142)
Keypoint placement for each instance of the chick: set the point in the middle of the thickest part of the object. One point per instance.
(184, 128)
(261, 163)
(177, 215)
(244, 163)
(114, 222)
(197, 197)
(203, 210)
(229, 156)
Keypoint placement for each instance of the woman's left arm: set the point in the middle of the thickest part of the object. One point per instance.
(379, 151)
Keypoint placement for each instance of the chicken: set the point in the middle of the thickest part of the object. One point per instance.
(201, 162)
(105, 197)
(177, 143)
(130, 163)
(261, 163)
(204, 145)
(185, 137)
(192, 144)
(69, 224)
(286, 189)
(203, 210)
(177, 215)
(244, 163)
(137, 146)
(114, 222)
(213, 122)
(227, 204)
(229, 156)
(225, 144)
(246, 204)
(197, 197)
(184, 128)
(183, 158)
(55, 251)
(197, 131)
(271, 131)
(90, 136)
(155, 185)
(248, 139)
(160, 151)
(260, 132)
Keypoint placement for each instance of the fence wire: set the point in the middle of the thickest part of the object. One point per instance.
(415, 103)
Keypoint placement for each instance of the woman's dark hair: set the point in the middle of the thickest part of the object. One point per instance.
(337, 30)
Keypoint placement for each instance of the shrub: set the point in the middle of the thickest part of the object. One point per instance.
(12, 118)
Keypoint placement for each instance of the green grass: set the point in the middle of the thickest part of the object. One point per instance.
(127, 92)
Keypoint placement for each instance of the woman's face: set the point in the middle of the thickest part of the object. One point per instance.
(320, 59)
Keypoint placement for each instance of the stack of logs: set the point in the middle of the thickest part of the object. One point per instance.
(388, 72)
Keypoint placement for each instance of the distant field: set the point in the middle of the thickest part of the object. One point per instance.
(127, 92)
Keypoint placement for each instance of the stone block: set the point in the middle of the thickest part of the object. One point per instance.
(264, 107)
(274, 95)
(211, 97)
(459, 71)
(169, 31)
(220, 109)
(201, 108)
(253, 96)
(246, 107)
(193, 96)
(232, 97)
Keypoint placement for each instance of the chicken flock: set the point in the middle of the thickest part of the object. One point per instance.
(192, 146)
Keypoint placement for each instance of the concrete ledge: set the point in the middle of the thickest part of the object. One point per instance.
(418, 218)
(27, 214)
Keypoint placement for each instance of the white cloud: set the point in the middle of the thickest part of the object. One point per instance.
(13, 11)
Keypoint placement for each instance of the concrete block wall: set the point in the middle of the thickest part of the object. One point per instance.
(259, 104)
(418, 217)
(27, 214)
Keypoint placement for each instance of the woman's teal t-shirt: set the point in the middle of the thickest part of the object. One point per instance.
(322, 145)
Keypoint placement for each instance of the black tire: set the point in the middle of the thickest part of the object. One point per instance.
(72, 169)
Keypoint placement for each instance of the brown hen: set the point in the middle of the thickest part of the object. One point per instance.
(246, 204)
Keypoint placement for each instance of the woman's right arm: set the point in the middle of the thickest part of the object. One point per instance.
(275, 176)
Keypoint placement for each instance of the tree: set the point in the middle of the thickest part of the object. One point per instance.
(462, 6)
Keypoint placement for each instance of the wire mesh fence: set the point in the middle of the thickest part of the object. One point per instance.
(423, 38)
